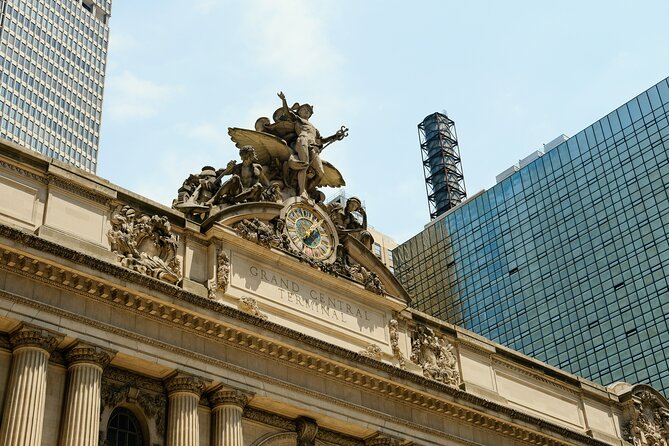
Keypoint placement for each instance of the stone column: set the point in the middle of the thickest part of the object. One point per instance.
(81, 416)
(23, 414)
(183, 426)
(226, 411)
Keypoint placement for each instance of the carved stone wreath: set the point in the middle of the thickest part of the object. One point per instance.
(435, 356)
(270, 234)
(145, 244)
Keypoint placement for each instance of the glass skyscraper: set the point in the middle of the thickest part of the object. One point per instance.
(566, 260)
(53, 55)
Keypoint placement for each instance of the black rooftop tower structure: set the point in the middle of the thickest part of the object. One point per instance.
(442, 166)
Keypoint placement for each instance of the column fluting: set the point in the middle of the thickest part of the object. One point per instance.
(23, 415)
(81, 415)
(227, 408)
(183, 426)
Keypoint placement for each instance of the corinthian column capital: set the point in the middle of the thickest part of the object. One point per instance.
(184, 382)
(89, 354)
(31, 336)
(227, 397)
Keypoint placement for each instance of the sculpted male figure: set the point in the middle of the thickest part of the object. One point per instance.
(246, 182)
(308, 144)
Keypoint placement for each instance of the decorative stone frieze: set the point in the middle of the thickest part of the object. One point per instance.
(222, 279)
(307, 429)
(435, 356)
(145, 244)
(23, 414)
(648, 420)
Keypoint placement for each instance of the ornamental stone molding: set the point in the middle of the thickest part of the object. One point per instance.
(435, 356)
(184, 382)
(227, 397)
(648, 420)
(82, 352)
(31, 336)
(145, 244)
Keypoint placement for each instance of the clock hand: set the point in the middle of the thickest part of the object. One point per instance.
(312, 228)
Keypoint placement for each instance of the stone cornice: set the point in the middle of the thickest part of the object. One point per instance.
(360, 370)
(83, 353)
(185, 382)
(23, 172)
(31, 336)
(79, 190)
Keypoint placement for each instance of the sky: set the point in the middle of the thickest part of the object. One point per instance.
(512, 75)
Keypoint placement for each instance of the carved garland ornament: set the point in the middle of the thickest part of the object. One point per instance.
(222, 279)
(145, 244)
(395, 343)
(435, 356)
(648, 421)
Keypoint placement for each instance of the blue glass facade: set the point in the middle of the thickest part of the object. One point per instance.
(567, 260)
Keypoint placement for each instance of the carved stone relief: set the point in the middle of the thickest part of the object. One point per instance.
(395, 343)
(372, 351)
(435, 356)
(145, 244)
(120, 387)
(222, 279)
(648, 420)
(250, 305)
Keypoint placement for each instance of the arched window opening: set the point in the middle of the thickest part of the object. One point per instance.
(123, 429)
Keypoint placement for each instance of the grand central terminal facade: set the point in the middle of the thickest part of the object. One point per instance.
(251, 313)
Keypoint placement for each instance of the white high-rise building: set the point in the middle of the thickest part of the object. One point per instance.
(53, 56)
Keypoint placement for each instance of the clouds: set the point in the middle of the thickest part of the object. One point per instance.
(292, 37)
(130, 97)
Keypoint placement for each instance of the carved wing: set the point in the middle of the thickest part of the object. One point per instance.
(331, 177)
(267, 146)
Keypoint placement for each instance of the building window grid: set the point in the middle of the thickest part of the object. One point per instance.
(650, 162)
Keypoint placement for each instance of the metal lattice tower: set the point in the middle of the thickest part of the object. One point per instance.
(444, 180)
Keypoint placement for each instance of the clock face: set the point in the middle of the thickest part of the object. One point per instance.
(308, 232)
